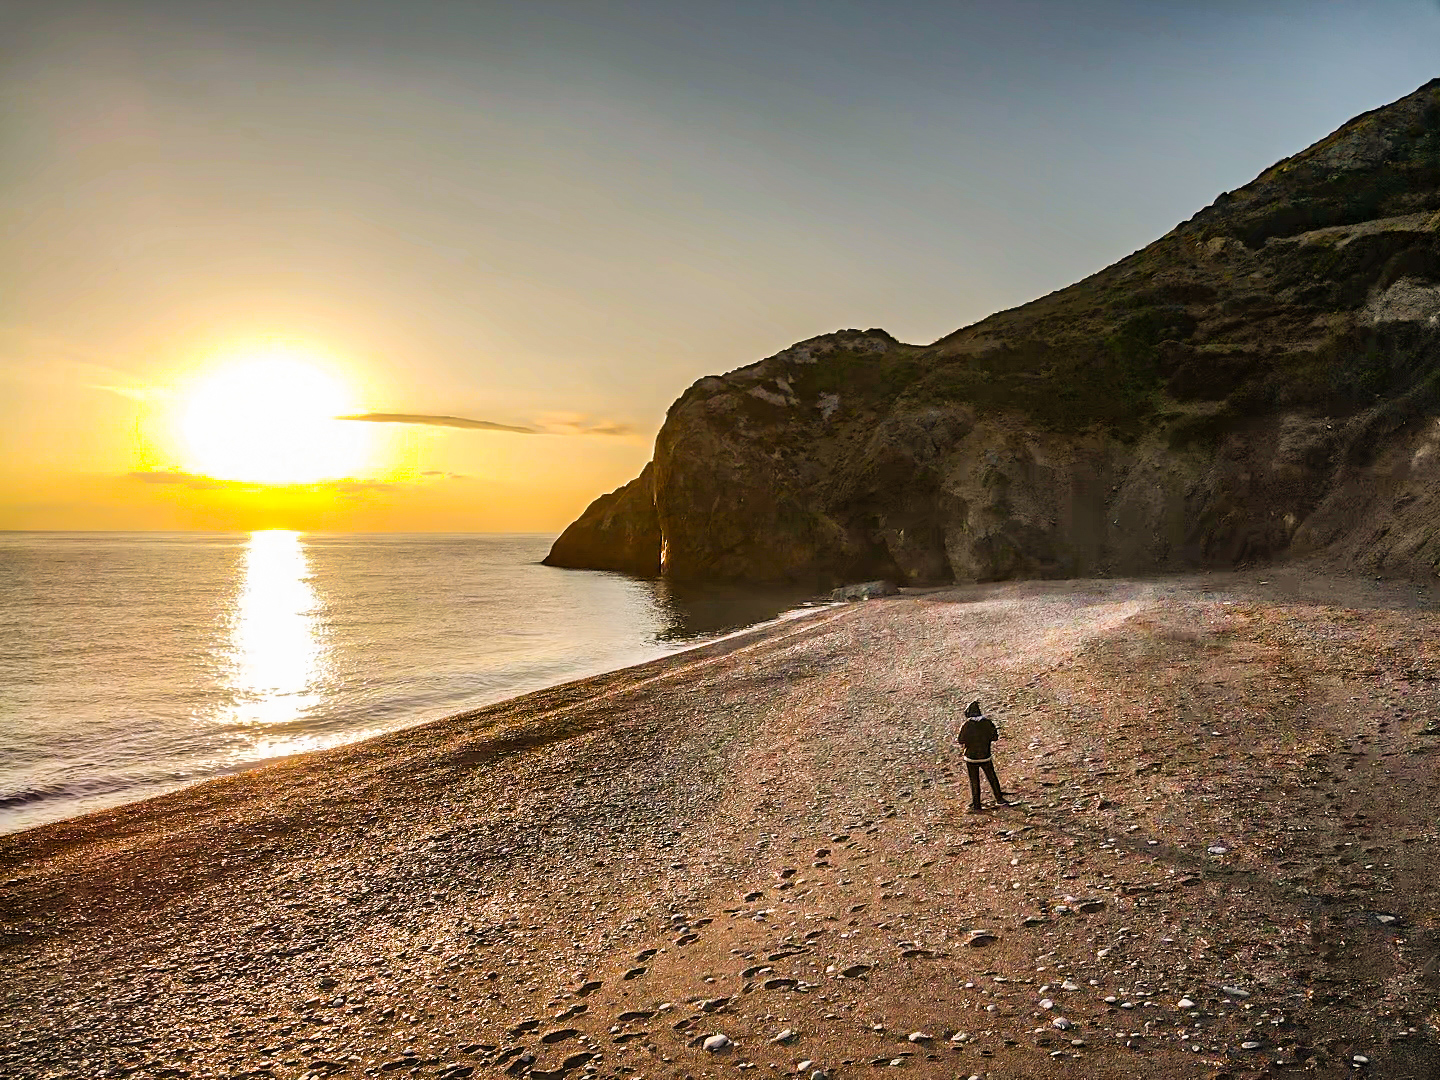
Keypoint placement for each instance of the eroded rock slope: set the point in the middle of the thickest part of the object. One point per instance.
(1259, 382)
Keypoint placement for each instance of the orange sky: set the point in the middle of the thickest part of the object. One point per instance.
(96, 449)
(555, 217)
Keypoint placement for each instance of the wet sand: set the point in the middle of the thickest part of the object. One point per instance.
(1222, 862)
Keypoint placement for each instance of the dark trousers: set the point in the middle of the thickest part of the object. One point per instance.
(973, 768)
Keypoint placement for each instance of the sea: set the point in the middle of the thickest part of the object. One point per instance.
(132, 664)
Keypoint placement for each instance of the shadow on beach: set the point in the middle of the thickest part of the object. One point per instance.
(693, 612)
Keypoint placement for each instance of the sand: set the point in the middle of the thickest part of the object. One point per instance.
(1222, 862)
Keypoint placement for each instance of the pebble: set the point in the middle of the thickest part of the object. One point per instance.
(920, 1037)
(1252, 1045)
(1061, 1023)
(784, 1036)
(1185, 1003)
(715, 1043)
(1235, 991)
(1069, 984)
(1218, 849)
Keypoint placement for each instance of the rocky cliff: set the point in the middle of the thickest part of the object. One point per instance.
(1262, 381)
(618, 531)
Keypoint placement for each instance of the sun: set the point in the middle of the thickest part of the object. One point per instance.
(270, 418)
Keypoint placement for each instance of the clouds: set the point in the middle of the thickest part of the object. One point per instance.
(201, 482)
(182, 479)
(580, 424)
(549, 424)
(40, 359)
(432, 420)
(348, 485)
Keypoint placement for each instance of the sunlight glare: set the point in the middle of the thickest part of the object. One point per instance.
(274, 637)
(270, 419)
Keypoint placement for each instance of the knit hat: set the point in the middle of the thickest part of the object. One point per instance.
(973, 709)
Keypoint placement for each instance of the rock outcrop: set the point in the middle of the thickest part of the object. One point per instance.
(865, 590)
(1262, 381)
(616, 532)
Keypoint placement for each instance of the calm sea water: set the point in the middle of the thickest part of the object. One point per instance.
(134, 663)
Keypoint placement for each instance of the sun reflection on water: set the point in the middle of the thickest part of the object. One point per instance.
(277, 655)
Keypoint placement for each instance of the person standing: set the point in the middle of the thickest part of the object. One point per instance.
(976, 736)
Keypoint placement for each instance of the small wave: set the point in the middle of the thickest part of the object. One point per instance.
(90, 788)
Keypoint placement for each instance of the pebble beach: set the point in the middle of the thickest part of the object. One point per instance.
(753, 858)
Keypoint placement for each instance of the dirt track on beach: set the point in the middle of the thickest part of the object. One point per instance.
(1223, 862)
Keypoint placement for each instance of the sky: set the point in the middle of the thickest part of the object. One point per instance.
(508, 235)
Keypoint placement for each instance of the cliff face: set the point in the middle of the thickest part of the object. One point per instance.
(1261, 381)
(616, 532)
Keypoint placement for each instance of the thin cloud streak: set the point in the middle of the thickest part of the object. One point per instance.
(200, 482)
(175, 476)
(574, 424)
(437, 421)
(43, 360)
(559, 424)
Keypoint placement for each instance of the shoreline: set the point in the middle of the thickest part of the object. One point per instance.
(595, 687)
(167, 788)
(764, 833)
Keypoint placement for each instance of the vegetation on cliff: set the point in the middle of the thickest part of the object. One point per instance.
(1257, 382)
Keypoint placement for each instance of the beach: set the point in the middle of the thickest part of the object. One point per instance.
(1221, 862)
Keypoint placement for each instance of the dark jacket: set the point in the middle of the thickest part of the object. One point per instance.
(976, 735)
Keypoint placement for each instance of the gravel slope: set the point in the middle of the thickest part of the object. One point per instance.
(1224, 782)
